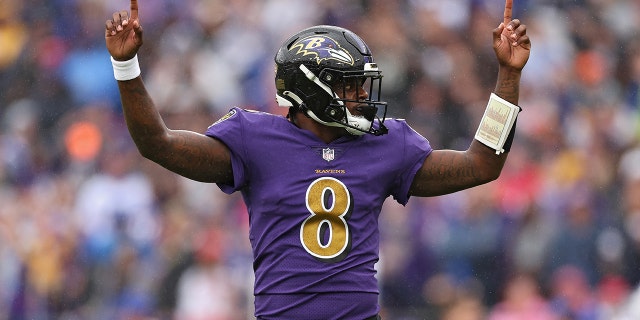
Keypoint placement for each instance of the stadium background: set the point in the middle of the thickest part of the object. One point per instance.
(90, 230)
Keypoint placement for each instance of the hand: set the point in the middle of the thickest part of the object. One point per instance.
(123, 34)
(510, 41)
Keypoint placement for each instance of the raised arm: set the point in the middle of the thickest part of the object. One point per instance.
(447, 171)
(187, 153)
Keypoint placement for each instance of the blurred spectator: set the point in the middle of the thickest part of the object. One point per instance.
(612, 294)
(572, 296)
(522, 300)
(575, 241)
(206, 290)
(91, 230)
(466, 308)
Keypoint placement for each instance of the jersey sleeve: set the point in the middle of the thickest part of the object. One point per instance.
(229, 129)
(416, 150)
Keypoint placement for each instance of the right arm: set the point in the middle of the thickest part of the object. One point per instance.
(187, 153)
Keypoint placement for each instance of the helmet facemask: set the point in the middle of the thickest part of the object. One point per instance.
(367, 109)
(332, 109)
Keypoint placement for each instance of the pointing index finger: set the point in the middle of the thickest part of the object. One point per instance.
(134, 9)
(508, 8)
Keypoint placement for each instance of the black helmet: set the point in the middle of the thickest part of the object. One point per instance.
(310, 64)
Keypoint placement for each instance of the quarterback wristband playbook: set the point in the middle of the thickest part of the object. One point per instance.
(126, 70)
(498, 124)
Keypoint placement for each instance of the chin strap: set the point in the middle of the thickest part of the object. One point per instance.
(357, 125)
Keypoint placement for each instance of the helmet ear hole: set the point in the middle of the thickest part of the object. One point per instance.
(335, 113)
(329, 76)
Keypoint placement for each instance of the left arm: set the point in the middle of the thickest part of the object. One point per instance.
(447, 171)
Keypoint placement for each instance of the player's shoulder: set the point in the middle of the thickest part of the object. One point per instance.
(248, 115)
(395, 121)
(395, 124)
(254, 113)
(251, 113)
(400, 129)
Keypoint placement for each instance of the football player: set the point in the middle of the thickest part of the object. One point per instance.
(314, 182)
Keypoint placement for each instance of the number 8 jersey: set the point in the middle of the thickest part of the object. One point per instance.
(314, 210)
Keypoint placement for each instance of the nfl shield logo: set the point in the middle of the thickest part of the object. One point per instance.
(328, 154)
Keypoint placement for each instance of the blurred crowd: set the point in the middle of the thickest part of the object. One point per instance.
(91, 230)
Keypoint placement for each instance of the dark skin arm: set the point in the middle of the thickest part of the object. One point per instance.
(202, 158)
(187, 153)
(447, 171)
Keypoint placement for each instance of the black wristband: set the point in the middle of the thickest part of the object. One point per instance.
(512, 133)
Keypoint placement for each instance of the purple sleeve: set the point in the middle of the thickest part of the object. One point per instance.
(229, 130)
(416, 150)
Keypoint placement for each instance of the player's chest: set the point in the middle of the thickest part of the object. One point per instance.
(295, 162)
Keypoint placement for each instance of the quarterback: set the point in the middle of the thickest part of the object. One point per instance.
(314, 181)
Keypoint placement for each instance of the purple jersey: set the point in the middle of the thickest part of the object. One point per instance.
(314, 210)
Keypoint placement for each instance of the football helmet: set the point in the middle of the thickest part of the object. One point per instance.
(315, 68)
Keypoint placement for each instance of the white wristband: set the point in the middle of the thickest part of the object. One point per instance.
(126, 70)
(496, 123)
